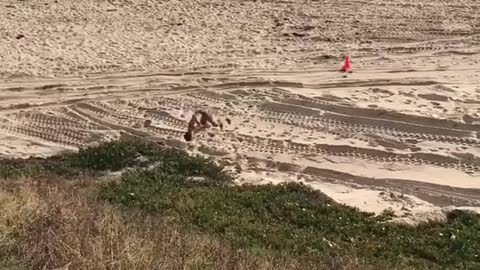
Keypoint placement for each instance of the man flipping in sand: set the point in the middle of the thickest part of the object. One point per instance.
(201, 120)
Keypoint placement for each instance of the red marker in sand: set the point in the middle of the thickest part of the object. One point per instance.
(346, 65)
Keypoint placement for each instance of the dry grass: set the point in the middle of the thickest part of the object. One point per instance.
(18, 207)
(60, 226)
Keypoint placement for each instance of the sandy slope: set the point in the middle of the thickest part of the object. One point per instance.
(402, 131)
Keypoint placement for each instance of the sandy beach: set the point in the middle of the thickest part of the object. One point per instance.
(402, 131)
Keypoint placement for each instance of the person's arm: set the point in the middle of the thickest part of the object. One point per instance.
(193, 123)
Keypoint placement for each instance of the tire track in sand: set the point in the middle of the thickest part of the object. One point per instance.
(273, 146)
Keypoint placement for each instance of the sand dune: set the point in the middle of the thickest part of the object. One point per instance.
(401, 131)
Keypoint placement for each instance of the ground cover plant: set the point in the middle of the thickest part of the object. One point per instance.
(288, 226)
(92, 161)
(292, 218)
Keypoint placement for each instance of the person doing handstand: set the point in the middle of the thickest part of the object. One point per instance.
(200, 120)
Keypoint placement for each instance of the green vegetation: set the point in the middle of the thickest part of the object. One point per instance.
(288, 221)
(58, 226)
(111, 156)
(293, 218)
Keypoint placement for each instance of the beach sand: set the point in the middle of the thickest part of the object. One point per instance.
(402, 131)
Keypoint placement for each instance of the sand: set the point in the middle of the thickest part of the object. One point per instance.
(402, 131)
